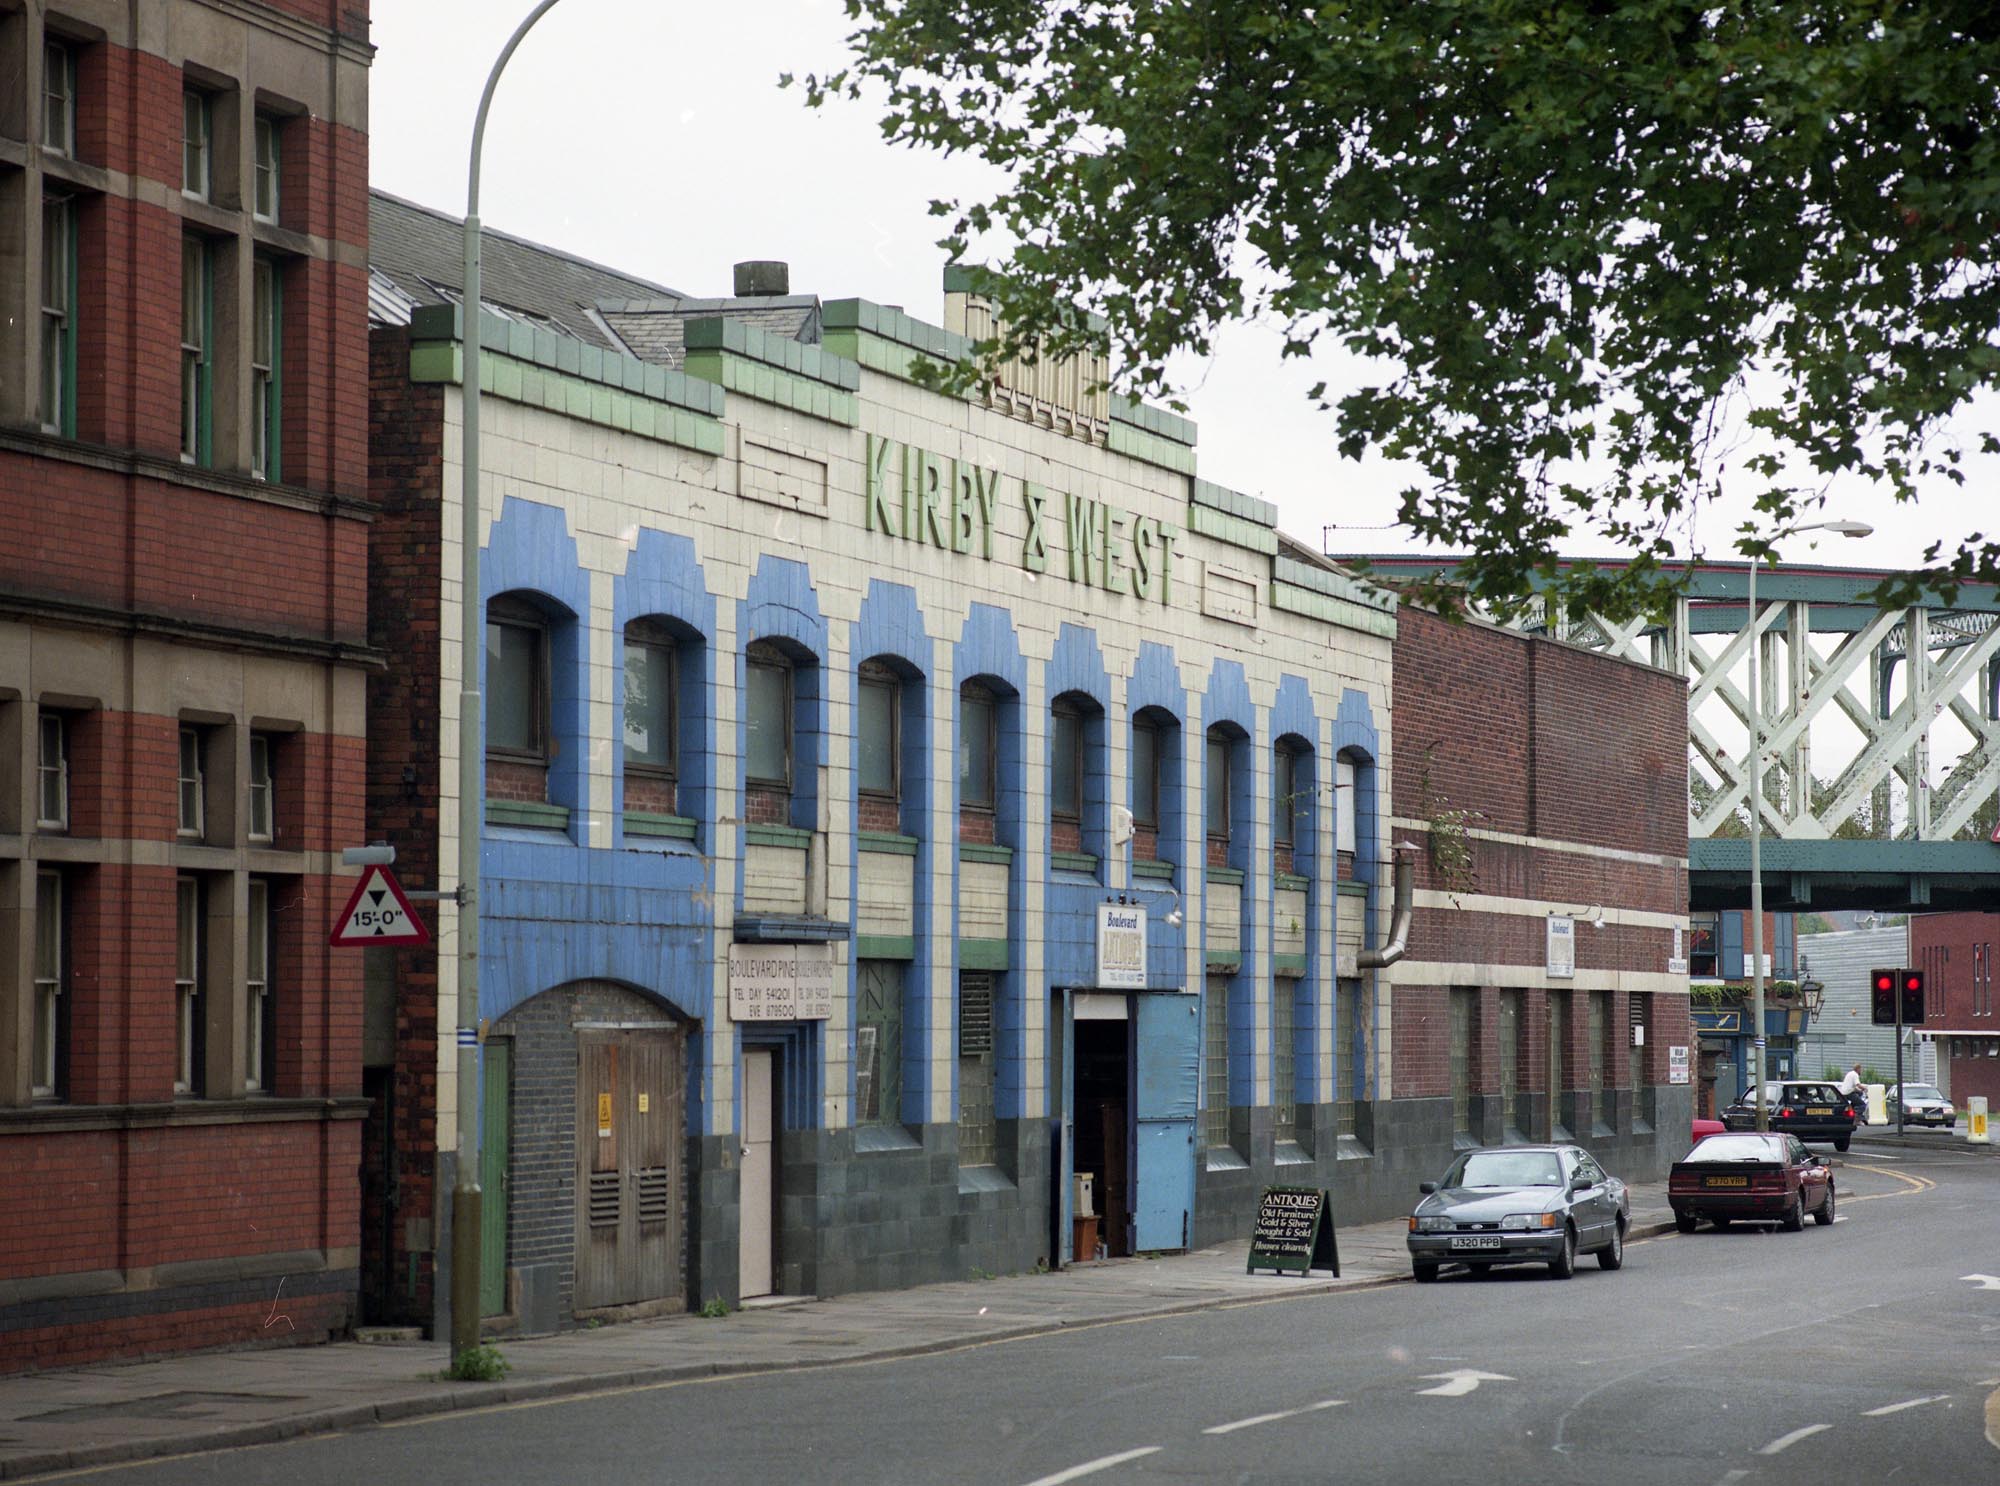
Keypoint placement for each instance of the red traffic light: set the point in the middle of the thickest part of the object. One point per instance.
(1913, 980)
(1885, 980)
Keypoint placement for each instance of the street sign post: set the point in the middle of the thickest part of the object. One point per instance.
(378, 913)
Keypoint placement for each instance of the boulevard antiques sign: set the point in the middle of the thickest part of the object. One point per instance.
(780, 982)
(1560, 963)
(1121, 947)
(956, 506)
(1294, 1232)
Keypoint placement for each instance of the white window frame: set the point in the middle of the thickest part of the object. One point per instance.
(52, 772)
(1346, 805)
(197, 268)
(264, 333)
(58, 259)
(256, 982)
(197, 144)
(192, 814)
(262, 797)
(188, 930)
(264, 172)
(59, 68)
(50, 974)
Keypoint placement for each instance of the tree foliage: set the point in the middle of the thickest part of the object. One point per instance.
(1609, 253)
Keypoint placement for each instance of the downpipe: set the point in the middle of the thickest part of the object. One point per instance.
(1404, 911)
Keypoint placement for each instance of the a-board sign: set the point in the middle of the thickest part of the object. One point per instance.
(1294, 1232)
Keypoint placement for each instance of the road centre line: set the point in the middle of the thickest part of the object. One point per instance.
(1786, 1441)
(1311, 1408)
(1913, 1183)
(1091, 1467)
(1908, 1403)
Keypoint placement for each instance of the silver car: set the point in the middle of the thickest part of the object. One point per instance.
(1923, 1104)
(1520, 1204)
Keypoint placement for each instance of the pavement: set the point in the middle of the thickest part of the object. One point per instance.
(113, 1413)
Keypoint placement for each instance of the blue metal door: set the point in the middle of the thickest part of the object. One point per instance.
(1166, 1083)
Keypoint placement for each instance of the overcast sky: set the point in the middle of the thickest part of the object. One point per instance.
(651, 136)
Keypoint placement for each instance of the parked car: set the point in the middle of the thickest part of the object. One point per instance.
(1704, 1126)
(1923, 1104)
(1808, 1108)
(1520, 1204)
(1750, 1177)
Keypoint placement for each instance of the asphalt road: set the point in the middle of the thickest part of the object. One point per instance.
(1864, 1352)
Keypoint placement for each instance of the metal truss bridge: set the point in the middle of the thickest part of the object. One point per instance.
(1881, 761)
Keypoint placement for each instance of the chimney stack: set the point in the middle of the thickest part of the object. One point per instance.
(763, 278)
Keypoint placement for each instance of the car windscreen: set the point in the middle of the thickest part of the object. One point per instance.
(1736, 1148)
(1921, 1091)
(1506, 1169)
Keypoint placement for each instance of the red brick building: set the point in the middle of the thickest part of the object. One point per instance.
(183, 660)
(1955, 952)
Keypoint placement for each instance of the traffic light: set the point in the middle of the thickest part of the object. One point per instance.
(1913, 996)
(1882, 996)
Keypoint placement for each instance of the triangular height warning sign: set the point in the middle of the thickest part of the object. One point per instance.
(378, 913)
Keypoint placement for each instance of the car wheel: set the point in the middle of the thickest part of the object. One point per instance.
(1824, 1217)
(1612, 1255)
(1564, 1264)
(1794, 1218)
(1684, 1222)
(1425, 1273)
(1841, 1142)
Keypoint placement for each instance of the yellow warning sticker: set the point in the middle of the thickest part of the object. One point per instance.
(645, 1102)
(603, 1115)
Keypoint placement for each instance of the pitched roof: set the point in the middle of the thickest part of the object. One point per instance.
(656, 329)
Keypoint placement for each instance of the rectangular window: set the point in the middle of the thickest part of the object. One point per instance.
(1704, 943)
(651, 724)
(193, 802)
(196, 144)
(259, 1027)
(58, 393)
(59, 98)
(1215, 1063)
(978, 1139)
(1464, 1027)
(51, 1030)
(1598, 1009)
(197, 382)
(266, 336)
(262, 817)
(190, 1032)
(1346, 806)
(1066, 764)
(976, 774)
(768, 723)
(52, 774)
(264, 184)
(1349, 1051)
(1284, 795)
(875, 721)
(1145, 774)
(878, 1043)
(1284, 1055)
(516, 685)
(1216, 787)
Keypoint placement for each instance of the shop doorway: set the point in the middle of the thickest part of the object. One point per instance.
(629, 1110)
(754, 1250)
(1103, 1135)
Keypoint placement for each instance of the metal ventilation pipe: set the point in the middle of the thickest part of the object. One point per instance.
(1405, 910)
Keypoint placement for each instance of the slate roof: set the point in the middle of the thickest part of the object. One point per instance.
(417, 255)
(656, 329)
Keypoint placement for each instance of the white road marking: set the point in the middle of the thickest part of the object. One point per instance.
(1785, 1441)
(1983, 1281)
(1908, 1403)
(1091, 1467)
(1460, 1381)
(1311, 1408)
(1731, 1477)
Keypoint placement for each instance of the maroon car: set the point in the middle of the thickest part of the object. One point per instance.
(1751, 1177)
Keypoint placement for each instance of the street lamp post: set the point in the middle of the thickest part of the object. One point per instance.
(465, 1195)
(1845, 529)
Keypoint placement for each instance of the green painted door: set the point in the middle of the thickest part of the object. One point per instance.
(496, 1103)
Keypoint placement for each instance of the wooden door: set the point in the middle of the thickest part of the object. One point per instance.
(628, 1169)
(754, 1247)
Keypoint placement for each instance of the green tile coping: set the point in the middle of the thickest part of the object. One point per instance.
(1158, 871)
(1293, 965)
(890, 325)
(571, 396)
(1156, 421)
(885, 947)
(544, 348)
(754, 835)
(1352, 889)
(1291, 882)
(527, 813)
(887, 843)
(1149, 448)
(1228, 876)
(1227, 964)
(967, 278)
(1232, 529)
(813, 363)
(974, 851)
(1219, 498)
(672, 827)
(1332, 584)
(1073, 861)
(982, 954)
(773, 384)
(1291, 599)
